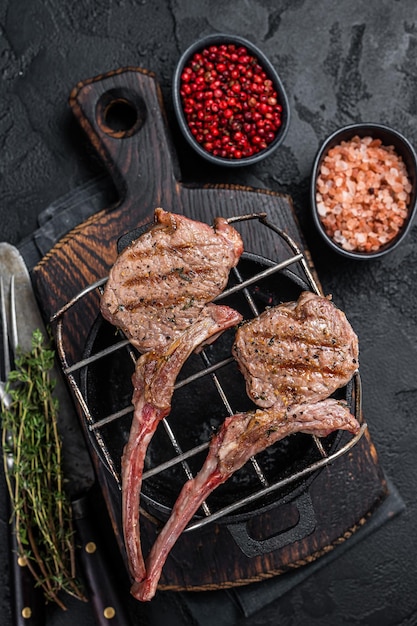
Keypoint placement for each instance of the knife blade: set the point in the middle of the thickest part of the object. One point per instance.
(106, 604)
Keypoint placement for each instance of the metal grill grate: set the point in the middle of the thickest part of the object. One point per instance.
(296, 261)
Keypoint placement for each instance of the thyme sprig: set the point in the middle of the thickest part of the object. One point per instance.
(41, 507)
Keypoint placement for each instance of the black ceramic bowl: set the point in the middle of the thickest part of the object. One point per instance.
(402, 147)
(215, 40)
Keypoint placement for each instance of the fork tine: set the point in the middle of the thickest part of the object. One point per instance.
(14, 339)
(5, 330)
(10, 336)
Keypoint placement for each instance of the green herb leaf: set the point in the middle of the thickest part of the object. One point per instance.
(41, 508)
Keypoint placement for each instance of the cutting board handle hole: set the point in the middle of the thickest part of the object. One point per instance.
(120, 113)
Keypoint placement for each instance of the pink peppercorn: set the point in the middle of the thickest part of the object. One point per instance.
(229, 102)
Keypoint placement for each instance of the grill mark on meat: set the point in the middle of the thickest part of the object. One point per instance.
(175, 279)
(157, 249)
(183, 273)
(293, 334)
(240, 437)
(164, 309)
(300, 357)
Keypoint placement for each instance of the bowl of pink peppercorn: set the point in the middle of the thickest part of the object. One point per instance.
(230, 102)
(364, 190)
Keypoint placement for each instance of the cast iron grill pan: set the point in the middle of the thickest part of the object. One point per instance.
(209, 388)
(198, 408)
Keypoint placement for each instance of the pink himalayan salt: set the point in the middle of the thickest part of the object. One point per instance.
(362, 194)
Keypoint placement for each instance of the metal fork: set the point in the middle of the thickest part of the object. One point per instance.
(28, 602)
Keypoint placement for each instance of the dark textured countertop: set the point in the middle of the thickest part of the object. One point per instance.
(340, 62)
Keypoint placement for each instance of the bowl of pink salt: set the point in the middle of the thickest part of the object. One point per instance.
(363, 190)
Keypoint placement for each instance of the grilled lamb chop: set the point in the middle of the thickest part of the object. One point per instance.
(153, 380)
(296, 352)
(160, 283)
(159, 292)
(240, 437)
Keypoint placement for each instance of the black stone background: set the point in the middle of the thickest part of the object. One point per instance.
(341, 62)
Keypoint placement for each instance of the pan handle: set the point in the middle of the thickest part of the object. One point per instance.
(255, 547)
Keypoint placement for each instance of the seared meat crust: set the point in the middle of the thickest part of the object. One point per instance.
(296, 352)
(160, 283)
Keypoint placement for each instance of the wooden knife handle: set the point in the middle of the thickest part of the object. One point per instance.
(28, 600)
(107, 605)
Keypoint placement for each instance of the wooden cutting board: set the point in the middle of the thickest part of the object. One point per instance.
(122, 114)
